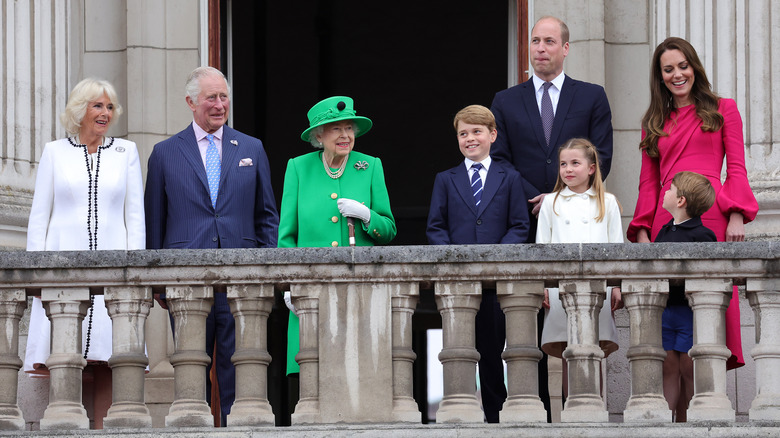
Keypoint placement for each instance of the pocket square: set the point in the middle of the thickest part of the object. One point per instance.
(245, 162)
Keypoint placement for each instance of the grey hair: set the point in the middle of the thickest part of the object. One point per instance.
(320, 129)
(86, 91)
(192, 87)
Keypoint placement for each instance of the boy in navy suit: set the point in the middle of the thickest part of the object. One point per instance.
(688, 197)
(481, 201)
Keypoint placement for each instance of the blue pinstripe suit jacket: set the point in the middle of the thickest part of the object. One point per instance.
(178, 209)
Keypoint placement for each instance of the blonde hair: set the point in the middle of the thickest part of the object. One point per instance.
(86, 91)
(475, 115)
(595, 182)
(697, 190)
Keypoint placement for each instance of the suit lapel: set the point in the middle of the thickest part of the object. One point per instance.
(494, 181)
(460, 179)
(188, 146)
(229, 151)
(532, 109)
(565, 99)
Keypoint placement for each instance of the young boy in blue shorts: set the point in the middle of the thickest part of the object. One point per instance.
(481, 201)
(688, 197)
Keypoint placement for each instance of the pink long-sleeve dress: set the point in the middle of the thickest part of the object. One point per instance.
(689, 148)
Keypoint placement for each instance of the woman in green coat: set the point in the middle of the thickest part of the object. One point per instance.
(325, 187)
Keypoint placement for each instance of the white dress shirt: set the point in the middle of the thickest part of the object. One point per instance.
(554, 91)
(203, 142)
(482, 172)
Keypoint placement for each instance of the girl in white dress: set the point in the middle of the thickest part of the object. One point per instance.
(85, 180)
(578, 211)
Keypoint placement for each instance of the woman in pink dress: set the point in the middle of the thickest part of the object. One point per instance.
(688, 127)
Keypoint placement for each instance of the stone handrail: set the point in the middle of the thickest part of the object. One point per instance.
(355, 307)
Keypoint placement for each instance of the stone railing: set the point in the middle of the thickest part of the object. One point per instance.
(355, 308)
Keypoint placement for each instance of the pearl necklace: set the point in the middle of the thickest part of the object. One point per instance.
(337, 174)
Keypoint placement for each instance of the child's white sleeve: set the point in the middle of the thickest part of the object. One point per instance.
(614, 221)
(544, 227)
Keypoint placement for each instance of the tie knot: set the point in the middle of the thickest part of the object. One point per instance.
(477, 166)
(547, 85)
(210, 137)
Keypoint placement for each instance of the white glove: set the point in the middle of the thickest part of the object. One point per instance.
(288, 302)
(352, 208)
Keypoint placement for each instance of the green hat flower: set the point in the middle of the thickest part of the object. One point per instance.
(335, 109)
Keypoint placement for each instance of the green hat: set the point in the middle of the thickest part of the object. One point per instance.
(335, 109)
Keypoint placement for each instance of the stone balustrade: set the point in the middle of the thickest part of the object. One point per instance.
(355, 307)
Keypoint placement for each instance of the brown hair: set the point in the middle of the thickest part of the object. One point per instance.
(475, 115)
(697, 190)
(564, 27)
(592, 155)
(662, 102)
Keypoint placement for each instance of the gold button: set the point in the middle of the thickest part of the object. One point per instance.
(334, 244)
(333, 196)
(334, 219)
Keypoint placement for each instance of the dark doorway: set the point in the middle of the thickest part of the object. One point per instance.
(409, 66)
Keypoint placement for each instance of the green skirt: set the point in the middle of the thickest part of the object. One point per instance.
(293, 344)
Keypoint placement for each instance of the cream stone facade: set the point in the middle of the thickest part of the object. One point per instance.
(147, 47)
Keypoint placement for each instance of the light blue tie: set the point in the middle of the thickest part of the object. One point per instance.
(213, 169)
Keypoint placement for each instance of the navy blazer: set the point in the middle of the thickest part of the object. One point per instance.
(502, 216)
(583, 111)
(178, 208)
(692, 230)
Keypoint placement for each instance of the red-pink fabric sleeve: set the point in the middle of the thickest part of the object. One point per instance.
(736, 194)
(649, 191)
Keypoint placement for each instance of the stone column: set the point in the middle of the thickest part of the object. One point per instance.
(190, 305)
(66, 308)
(764, 298)
(458, 303)
(404, 301)
(709, 300)
(306, 301)
(128, 308)
(582, 300)
(12, 305)
(250, 305)
(645, 301)
(521, 301)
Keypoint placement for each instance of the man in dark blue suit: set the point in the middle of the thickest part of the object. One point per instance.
(481, 201)
(209, 187)
(534, 118)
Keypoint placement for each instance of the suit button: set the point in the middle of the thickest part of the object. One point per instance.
(334, 244)
(549, 161)
(334, 219)
(217, 216)
(213, 239)
(333, 196)
(479, 221)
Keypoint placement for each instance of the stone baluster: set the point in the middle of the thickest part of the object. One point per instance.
(12, 305)
(645, 301)
(709, 299)
(458, 303)
(66, 308)
(305, 298)
(521, 301)
(404, 301)
(128, 308)
(582, 300)
(250, 305)
(190, 305)
(764, 297)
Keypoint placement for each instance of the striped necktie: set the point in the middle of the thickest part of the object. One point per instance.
(213, 169)
(476, 183)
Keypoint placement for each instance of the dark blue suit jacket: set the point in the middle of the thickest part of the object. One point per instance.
(178, 209)
(502, 216)
(583, 111)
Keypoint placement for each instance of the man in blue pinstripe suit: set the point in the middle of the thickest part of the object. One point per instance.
(209, 187)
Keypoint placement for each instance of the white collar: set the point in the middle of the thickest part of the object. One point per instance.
(557, 82)
(200, 133)
(567, 192)
(485, 163)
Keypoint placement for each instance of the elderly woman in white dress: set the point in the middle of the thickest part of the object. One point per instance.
(88, 196)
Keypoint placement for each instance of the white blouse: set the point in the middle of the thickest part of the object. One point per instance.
(574, 219)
